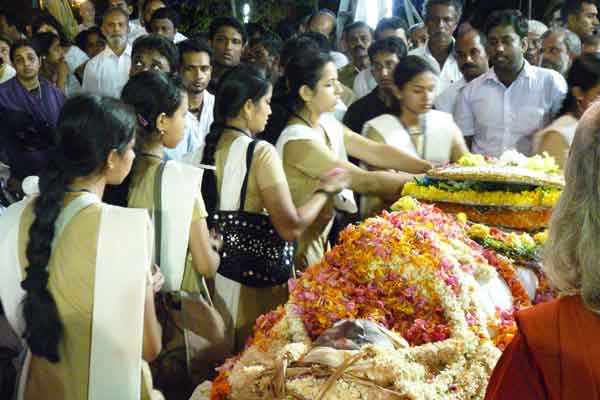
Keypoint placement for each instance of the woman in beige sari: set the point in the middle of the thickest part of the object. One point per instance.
(242, 109)
(584, 89)
(86, 266)
(313, 143)
(184, 249)
(428, 134)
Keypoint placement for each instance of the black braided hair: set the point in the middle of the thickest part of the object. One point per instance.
(89, 128)
(238, 85)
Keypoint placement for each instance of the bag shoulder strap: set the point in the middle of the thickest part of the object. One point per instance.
(249, 156)
(157, 217)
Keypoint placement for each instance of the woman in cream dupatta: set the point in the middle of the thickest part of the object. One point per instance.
(241, 111)
(425, 133)
(61, 251)
(313, 142)
(185, 250)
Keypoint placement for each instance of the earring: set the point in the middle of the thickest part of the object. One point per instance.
(162, 132)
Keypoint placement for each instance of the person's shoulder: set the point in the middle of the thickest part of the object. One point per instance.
(548, 76)
(476, 84)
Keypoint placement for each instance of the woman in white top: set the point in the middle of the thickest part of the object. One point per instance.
(584, 88)
(416, 128)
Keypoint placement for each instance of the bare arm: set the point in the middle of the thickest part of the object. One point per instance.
(383, 156)
(205, 259)
(152, 340)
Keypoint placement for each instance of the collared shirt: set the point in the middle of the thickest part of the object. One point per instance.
(501, 118)
(447, 99)
(347, 74)
(74, 57)
(135, 31)
(195, 130)
(364, 83)
(107, 73)
(179, 37)
(365, 109)
(448, 74)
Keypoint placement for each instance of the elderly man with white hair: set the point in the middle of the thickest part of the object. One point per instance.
(560, 47)
(534, 42)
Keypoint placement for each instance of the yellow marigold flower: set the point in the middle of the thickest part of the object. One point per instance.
(541, 237)
(472, 160)
(461, 217)
(539, 197)
(405, 203)
(479, 231)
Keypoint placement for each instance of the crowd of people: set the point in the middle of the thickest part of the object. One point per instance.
(299, 127)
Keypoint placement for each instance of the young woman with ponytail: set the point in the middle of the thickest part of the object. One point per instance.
(185, 250)
(84, 267)
(312, 142)
(242, 108)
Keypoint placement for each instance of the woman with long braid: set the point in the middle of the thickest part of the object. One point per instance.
(83, 266)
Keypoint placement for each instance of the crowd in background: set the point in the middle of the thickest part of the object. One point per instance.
(344, 123)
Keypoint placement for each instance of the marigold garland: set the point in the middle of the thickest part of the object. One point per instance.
(411, 272)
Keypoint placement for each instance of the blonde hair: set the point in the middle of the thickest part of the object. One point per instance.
(572, 253)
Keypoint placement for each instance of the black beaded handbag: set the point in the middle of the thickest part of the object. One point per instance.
(253, 253)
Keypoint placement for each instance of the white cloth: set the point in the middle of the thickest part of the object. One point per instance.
(437, 142)
(74, 57)
(107, 73)
(179, 191)
(447, 99)
(195, 130)
(340, 111)
(335, 133)
(501, 118)
(565, 125)
(135, 31)
(82, 27)
(364, 83)
(179, 37)
(234, 171)
(448, 74)
(339, 59)
(372, 11)
(9, 73)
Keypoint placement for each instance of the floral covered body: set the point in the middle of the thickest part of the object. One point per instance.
(514, 191)
(417, 274)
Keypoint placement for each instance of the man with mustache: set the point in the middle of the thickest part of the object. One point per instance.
(472, 61)
(358, 38)
(441, 20)
(108, 72)
(581, 16)
(385, 54)
(560, 47)
(135, 29)
(195, 71)
(503, 108)
(227, 39)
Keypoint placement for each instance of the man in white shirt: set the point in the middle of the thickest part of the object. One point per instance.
(135, 29)
(504, 107)
(195, 70)
(441, 19)
(165, 22)
(472, 61)
(108, 72)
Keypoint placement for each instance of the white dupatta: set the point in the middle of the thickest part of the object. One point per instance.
(117, 319)
(344, 201)
(181, 185)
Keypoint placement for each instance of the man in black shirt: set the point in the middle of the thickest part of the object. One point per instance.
(385, 54)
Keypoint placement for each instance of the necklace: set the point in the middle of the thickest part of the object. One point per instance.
(150, 155)
(422, 131)
(301, 119)
(235, 128)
